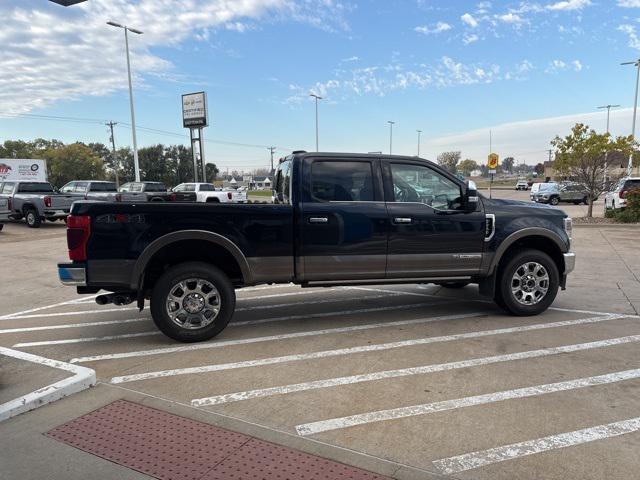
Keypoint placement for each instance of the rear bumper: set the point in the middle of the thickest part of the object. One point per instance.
(56, 213)
(72, 275)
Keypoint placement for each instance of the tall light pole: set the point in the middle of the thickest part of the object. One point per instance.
(133, 115)
(635, 63)
(317, 97)
(419, 132)
(606, 166)
(391, 124)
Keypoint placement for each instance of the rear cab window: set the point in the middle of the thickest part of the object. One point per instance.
(342, 181)
(35, 187)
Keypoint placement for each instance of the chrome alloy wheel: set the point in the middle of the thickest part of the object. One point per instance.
(193, 303)
(530, 283)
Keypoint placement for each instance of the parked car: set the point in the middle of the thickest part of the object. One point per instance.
(91, 190)
(522, 185)
(35, 201)
(143, 192)
(204, 192)
(616, 197)
(554, 193)
(5, 210)
(534, 189)
(339, 219)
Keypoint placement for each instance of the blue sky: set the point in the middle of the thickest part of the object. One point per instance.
(526, 70)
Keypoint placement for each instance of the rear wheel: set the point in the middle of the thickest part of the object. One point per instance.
(32, 218)
(585, 200)
(192, 302)
(528, 283)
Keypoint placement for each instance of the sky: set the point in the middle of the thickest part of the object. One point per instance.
(455, 70)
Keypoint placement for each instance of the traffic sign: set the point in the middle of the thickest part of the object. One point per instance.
(492, 163)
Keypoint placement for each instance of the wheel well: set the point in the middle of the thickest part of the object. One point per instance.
(535, 242)
(213, 200)
(191, 251)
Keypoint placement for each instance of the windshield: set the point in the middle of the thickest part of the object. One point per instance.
(546, 187)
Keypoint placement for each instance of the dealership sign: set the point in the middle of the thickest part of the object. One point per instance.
(22, 170)
(194, 110)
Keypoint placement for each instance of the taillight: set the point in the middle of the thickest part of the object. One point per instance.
(118, 197)
(173, 197)
(47, 202)
(78, 231)
(10, 205)
(623, 193)
(229, 195)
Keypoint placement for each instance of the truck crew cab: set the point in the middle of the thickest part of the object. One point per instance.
(337, 219)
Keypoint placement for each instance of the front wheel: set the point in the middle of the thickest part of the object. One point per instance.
(528, 283)
(192, 302)
(554, 201)
(585, 200)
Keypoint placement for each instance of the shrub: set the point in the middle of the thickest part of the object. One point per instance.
(630, 214)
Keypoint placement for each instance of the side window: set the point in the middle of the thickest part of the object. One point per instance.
(338, 181)
(96, 187)
(192, 188)
(417, 183)
(80, 187)
(283, 183)
(68, 188)
(7, 187)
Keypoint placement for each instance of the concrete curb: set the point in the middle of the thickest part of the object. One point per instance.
(81, 379)
(607, 225)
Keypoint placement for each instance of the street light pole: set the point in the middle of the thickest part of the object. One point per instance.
(419, 132)
(133, 115)
(391, 124)
(635, 63)
(606, 166)
(317, 97)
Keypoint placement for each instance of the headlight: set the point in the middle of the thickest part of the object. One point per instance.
(568, 226)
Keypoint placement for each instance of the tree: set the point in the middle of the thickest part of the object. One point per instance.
(467, 166)
(582, 155)
(507, 164)
(449, 160)
(539, 169)
(212, 172)
(73, 162)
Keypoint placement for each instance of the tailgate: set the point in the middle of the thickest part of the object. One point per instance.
(132, 197)
(239, 196)
(62, 202)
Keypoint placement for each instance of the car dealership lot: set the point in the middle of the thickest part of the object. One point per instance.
(437, 380)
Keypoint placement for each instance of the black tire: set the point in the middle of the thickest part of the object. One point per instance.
(454, 285)
(1, 226)
(554, 200)
(157, 199)
(507, 300)
(192, 270)
(213, 200)
(576, 203)
(585, 200)
(32, 218)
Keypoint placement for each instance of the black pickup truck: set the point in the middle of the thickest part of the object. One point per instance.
(337, 219)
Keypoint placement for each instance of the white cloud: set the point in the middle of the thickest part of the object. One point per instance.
(510, 18)
(51, 53)
(629, 3)
(561, 65)
(469, 20)
(438, 28)
(470, 38)
(630, 30)
(569, 5)
(355, 58)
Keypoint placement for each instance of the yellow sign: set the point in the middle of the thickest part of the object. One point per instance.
(492, 164)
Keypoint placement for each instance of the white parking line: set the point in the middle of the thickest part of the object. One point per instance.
(39, 309)
(469, 461)
(326, 331)
(416, 410)
(87, 339)
(404, 372)
(65, 314)
(72, 325)
(351, 350)
(81, 379)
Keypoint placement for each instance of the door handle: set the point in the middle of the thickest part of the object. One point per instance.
(401, 220)
(318, 220)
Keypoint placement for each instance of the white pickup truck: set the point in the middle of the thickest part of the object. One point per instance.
(207, 193)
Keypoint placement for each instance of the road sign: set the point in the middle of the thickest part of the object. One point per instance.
(492, 163)
(194, 110)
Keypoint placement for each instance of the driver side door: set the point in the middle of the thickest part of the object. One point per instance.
(431, 234)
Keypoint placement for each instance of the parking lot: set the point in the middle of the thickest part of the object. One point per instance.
(412, 381)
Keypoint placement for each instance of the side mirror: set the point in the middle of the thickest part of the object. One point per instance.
(471, 197)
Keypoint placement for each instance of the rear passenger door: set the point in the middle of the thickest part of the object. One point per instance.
(343, 220)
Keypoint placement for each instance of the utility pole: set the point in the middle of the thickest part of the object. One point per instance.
(317, 97)
(419, 132)
(635, 63)
(391, 124)
(606, 155)
(115, 156)
(271, 151)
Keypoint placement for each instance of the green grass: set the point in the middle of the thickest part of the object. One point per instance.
(260, 193)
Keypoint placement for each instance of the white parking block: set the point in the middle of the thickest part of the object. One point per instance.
(359, 349)
(81, 379)
(404, 372)
(416, 410)
(469, 461)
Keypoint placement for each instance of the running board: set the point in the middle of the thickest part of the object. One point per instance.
(382, 281)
